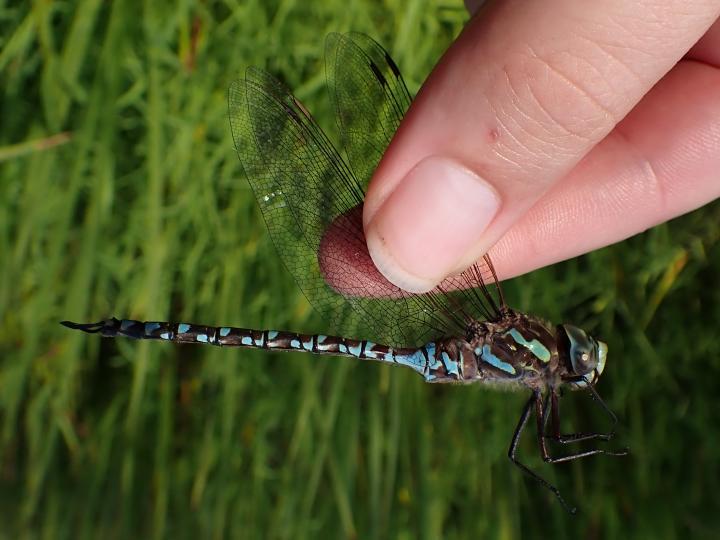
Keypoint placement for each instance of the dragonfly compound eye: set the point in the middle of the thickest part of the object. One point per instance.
(585, 353)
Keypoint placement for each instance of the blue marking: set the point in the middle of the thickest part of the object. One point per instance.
(307, 345)
(342, 348)
(165, 335)
(246, 340)
(125, 324)
(451, 366)
(295, 343)
(534, 346)
(261, 341)
(272, 334)
(434, 363)
(490, 358)
(150, 327)
(224, 332)
(416, 360)
(202, 338)
(355, 351)
(370, 353)
(183, 328)
(321, 346)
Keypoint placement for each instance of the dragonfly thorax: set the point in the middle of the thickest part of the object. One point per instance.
(475, 329)
(518, 349)
(524, 350)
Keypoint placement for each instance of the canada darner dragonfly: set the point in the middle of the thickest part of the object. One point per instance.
(311, 198)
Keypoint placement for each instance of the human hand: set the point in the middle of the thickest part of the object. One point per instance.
(550, 128)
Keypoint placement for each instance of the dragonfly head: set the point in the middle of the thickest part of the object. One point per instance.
(584, 356)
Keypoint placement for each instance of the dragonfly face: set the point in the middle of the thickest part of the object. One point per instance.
(585, 356)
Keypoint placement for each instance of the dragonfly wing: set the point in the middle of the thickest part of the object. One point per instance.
(302, 185)
(369, 97)
(311, 198)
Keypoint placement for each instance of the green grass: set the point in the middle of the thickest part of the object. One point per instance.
(120, 193)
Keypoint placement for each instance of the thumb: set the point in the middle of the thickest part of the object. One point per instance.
(522, 95)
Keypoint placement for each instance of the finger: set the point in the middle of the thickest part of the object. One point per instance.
(661, 161)
(516, 102)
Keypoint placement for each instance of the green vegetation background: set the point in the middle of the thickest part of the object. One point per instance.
(120, 194)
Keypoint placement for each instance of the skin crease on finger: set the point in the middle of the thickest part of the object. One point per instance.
(613, 172)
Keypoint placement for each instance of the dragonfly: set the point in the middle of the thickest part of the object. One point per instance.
(311, 197)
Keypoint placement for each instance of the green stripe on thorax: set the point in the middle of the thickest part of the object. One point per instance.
(534, 345)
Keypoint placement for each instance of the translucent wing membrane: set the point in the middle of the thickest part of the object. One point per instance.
(311, 198)
(369, 97)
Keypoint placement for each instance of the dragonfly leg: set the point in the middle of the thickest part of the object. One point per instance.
(535, 401)
(552, 406)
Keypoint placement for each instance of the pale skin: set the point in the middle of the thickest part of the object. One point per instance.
(548, 129)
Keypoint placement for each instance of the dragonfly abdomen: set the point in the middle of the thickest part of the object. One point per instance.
(433, 364)
(229, 336)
